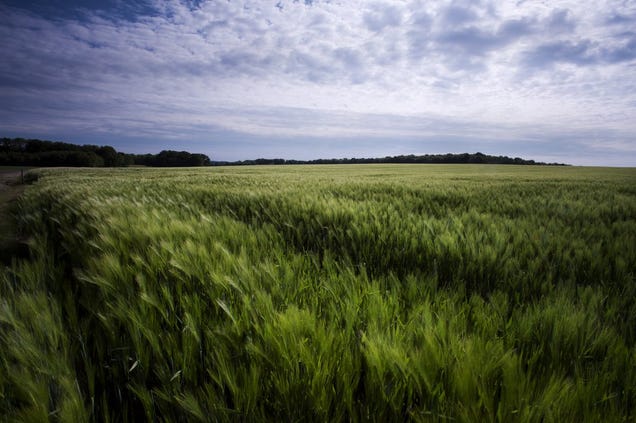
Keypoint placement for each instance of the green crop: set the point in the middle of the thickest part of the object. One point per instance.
(323, 293)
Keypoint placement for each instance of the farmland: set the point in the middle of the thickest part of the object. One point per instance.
(323, 293)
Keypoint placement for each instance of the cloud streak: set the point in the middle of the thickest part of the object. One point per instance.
(170, 70)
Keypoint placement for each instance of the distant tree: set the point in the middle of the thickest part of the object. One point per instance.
(109, 155)
(426, 158)
(33, 152)
(125, 159)
(170, 158)
(67, 158)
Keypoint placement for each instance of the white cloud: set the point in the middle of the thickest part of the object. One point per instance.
(329, 68)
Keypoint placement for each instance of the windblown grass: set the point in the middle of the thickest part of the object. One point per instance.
(323, 293)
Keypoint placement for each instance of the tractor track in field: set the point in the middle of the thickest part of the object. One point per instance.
(11, 245)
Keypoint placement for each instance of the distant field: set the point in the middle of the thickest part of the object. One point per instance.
(323, 293)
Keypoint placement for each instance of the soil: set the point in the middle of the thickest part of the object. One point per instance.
(11, 245)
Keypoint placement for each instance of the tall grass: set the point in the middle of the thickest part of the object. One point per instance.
(383, 293)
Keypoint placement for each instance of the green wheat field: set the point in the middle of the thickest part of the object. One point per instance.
(467, 293)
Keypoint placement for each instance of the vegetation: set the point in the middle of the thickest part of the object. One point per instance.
(169, 158)
(464, 158)
(323, 293)
(21, 152)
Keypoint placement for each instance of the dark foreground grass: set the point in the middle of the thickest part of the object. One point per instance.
(323, 293)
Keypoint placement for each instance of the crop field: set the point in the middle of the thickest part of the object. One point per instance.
(467, 293)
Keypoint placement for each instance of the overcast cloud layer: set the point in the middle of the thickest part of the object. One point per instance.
(553, 81)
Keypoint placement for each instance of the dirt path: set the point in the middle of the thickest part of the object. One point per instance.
(10, 189)
(8, 177)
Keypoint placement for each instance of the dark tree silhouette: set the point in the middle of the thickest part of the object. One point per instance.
(34, 152)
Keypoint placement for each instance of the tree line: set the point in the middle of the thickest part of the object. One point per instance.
(41, 153)
(411, 158)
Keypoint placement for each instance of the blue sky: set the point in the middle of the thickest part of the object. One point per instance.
(550, 81)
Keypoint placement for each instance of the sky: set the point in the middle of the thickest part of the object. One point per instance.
(550, 80)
